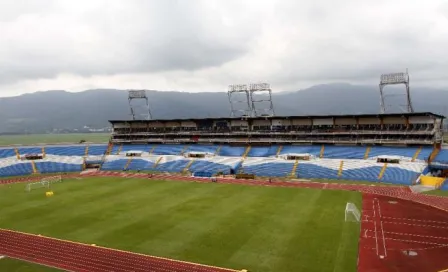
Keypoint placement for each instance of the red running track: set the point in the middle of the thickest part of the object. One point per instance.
(401, 235)
(78, 257)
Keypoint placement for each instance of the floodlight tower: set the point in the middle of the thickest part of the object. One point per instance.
(239, 94)
(264, 99)
(135, 96)
(393, 79)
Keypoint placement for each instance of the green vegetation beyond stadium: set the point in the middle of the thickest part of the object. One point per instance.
(234, 226)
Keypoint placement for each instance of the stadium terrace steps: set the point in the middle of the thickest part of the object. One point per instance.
(16, 150)
(33, 165)
(366, 154)
(417, 153)
(383, 169)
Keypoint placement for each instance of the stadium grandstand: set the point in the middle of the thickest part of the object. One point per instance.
(403, 148)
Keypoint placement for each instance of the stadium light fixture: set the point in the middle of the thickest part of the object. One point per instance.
(133, 97)
(393, 79)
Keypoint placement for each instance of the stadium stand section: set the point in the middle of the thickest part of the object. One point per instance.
(393, 148)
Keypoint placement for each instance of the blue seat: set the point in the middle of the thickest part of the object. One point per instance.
(442, 157)
(370, 173)
(168, 149)
(78, 150)
(57, 167)
(7, 152)
(135, 147)
(399, 176)
(307, 170)
(19, 169)
(30, 150)
(114, 165)
(97, 150)
(269, 169)
(444, 186)
(301, 149)
(232, 151)
(139, 164)
(264, 151)
(172, 166)
(344, 152)
(202, 148)
(207, 166)
(407, 152)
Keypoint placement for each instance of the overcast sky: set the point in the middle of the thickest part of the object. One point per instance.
(207, 45)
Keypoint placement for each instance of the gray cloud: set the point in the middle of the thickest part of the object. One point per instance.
(206, 44)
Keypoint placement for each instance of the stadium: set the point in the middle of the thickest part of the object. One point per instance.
(250, 192)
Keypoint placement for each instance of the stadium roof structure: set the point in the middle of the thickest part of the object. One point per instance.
(288, 117)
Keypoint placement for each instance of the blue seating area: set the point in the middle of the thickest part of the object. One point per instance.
(442, 157)
(425, 153)
(19, 169)
(399, 176)
(203, 148)
(262, 151)
(306, 170)
(370, 173)
(97, 150)
(30, 150)
(57, 167)
(232, 151)
(203, 174)
(392, 151)
(301, 149)
(168, 149)
(75, 150)
(114, 165)
(201, 166)
(269, 169)
(143, 148)
(172, 166)
(138, 164)
(444, 186)
(344, 152)
(5, 153)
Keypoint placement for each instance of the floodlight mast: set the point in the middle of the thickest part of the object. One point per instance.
(235, 91)
(139, 95)
(393, 79)
(265, 90)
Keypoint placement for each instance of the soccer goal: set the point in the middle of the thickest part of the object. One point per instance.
(43, 183)
(37, 185)
(52, 179)
(352, 214)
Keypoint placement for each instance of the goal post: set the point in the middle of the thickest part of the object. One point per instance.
(352, 214)
(35, 185)
(52, 179)
(45, 182)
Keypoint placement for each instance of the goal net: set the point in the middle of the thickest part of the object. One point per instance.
(52, 179)
(37, 185)
(352, 214)
(43, 183)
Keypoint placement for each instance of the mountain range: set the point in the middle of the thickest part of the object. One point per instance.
(48, 111)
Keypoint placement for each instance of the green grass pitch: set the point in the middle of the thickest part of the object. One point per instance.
(236, 226)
